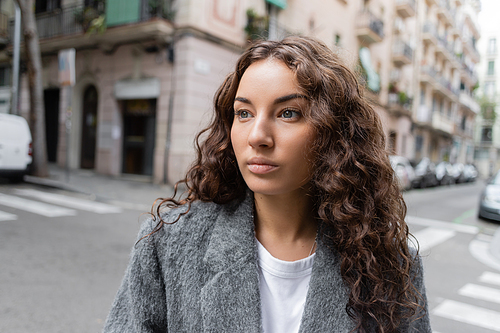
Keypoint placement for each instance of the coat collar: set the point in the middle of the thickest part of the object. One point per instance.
(230, 300)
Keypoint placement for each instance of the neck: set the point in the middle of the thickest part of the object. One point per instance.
(285, 224)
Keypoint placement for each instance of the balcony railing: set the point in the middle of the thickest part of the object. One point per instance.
(442, 123)
(369, 28)
(69, 20)
(400, 104)
(430, 33)
(469, 102)
(402, 53)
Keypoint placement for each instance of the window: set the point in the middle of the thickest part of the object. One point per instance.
(491, 67)
(489, 88)
(42, 6)
(487, 134)
(419, 142)
(337, 40)
(492, 46)
(4, 76)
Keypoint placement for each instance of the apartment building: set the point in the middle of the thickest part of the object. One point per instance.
(144, 87)
(487, 135)
(445, 110)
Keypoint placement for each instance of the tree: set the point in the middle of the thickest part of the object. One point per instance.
(34, 64)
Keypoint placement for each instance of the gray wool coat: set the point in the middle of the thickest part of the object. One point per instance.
(200, 275)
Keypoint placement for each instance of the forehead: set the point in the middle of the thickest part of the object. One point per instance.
(266, 78)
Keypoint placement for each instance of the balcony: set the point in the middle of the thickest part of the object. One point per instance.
(399, 104)
(65, 27)
(447, 50)
(405, 8)
(469, 102)
(424, 116)
(445, 13)
(470, 48)
(445, 88)
(402, 53)
(428, 74)
(429, 35)
(468, 75)
(442, 124)
(369, 28)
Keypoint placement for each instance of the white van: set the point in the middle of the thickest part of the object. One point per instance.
(15, 147)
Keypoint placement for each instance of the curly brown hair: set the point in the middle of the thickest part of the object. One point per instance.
(355, 193)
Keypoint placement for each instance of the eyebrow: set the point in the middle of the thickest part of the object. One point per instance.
(278, 100)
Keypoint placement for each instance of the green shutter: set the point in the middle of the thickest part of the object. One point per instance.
(122, 12)
(278, 3)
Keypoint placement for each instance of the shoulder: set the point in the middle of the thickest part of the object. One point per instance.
(193, 221)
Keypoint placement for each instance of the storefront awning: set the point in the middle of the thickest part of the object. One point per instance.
(278, 3)
(145, 88)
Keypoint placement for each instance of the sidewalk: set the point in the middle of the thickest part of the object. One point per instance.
(129, 191)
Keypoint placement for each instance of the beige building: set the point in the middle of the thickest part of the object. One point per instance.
(144, 87)
(444, 109)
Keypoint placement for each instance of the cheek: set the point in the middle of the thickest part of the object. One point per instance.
(236, 140)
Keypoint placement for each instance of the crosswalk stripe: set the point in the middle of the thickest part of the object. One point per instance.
(58, 199)
(468, 229)
(491, 278)
(481, 251)
(4, 216)
(469, 314)
(480, 292)
(35, 206)
(430, 237)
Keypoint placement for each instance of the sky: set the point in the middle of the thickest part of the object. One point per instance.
(489, 15)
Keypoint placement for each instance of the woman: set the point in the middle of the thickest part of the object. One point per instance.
(292, 221)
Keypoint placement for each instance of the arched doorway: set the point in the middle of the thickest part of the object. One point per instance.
(89, 128)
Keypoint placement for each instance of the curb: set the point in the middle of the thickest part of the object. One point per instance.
(47, 182)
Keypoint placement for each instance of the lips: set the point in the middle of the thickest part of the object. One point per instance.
(259, 165)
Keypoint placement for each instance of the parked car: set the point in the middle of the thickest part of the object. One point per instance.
(425, 174)
(404, 171)
(444, 173)
(458, 173)
(470, 173)
(489, 203)
(15, 147)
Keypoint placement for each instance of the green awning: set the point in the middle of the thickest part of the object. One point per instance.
(278, 3)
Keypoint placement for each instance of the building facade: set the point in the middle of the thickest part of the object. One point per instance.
(487, 135)
(444, 109)
(144, 86)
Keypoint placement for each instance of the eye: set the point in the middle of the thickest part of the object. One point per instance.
(290, 114)
(242, 114)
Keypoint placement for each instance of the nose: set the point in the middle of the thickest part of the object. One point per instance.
(261, 133)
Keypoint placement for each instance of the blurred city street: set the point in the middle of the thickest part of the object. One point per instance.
(64, 246)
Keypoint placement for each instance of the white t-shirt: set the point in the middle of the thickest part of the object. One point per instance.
(283, 290)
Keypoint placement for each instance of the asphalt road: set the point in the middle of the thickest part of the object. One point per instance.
(60, 273)
(461, 298)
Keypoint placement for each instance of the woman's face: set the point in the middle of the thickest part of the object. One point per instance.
(270, 136)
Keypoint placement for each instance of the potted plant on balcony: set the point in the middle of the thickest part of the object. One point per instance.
(257, 26)
(92, 18)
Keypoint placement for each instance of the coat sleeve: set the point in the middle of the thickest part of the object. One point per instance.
(421, 322)
(140, 304)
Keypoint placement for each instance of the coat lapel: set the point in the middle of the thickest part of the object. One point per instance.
(230, 300)
(327, 296)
